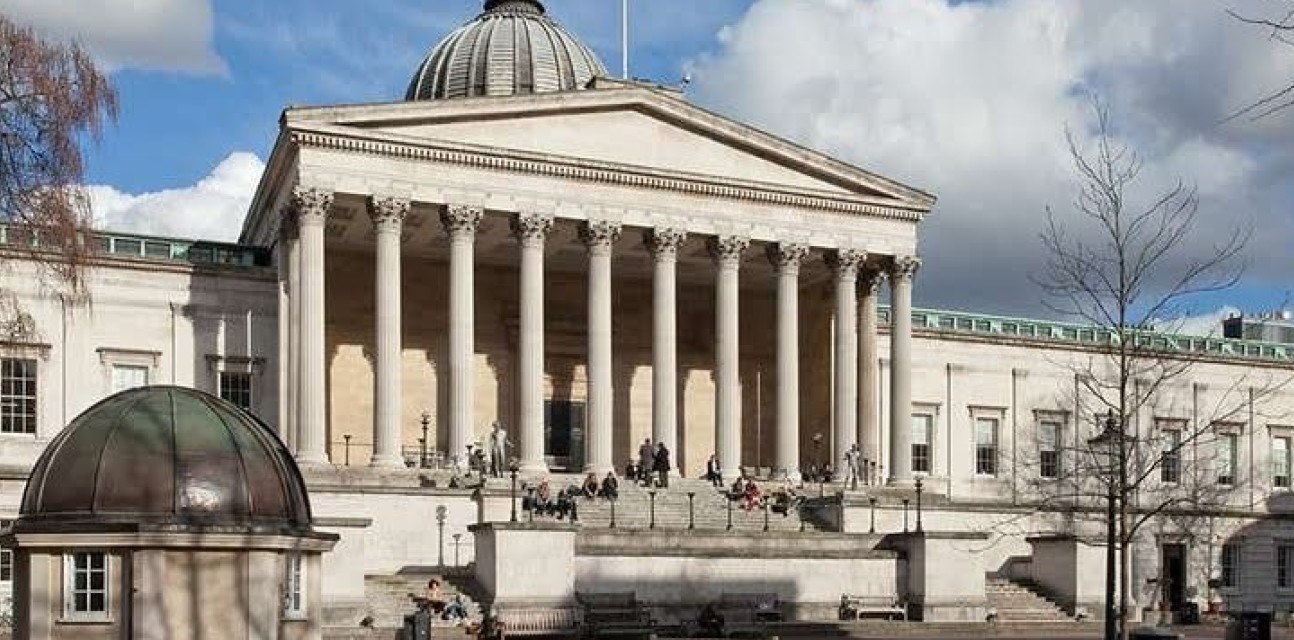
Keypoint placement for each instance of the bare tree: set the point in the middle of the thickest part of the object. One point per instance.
(52, 97)
(1280, 28)
(1123, 264)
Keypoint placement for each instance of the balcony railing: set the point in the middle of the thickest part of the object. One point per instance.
(139, 247)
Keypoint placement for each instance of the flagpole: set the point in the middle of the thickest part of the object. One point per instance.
(624, 39)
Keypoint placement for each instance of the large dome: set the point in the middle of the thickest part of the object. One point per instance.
(512, 48)
(166, 456)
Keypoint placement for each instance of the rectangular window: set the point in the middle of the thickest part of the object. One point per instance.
(1170, 460)
(1281, 462)
(1049, 449)
(921, 428)
(1228, 446)
(17, 395)
(128, 377)
(1284, 565)
(1230, 565)
(86, 585)
(236, 387)
(6, 566)
(294, 602)
(986, 446)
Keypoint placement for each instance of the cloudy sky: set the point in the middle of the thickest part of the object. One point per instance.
(969, 100)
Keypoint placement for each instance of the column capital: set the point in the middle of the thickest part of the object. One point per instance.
(787, 256)
(904, 268)
(664, 242)
(388, 213)
(599, 235)
(870, 280)
(532, 229)
(846, 262)
(461, 221)
(727, 250)
(309, 205)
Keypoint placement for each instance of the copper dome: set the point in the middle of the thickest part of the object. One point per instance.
(167, 456)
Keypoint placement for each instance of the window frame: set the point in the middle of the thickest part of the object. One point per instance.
(1056, 464)
(1170, 452)
(1230, 558)
(1285, 565)
(247, 376)
(1228, 443)
(111, 358)
(295, 604)
(929, 417)
(994, 449)
(70, 591)
(10, 401)
(253, 367)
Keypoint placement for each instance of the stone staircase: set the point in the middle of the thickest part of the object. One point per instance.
(388, 595)
(1017, 601)
(710, 510)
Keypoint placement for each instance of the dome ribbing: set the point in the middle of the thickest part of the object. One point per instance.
(512, 48)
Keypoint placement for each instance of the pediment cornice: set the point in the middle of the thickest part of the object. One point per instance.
(364, 141)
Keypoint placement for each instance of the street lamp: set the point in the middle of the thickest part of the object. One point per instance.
(441, 513)
(422, 459)
(919, 489)
(1108, 449)
(512, 472)
(457, 541)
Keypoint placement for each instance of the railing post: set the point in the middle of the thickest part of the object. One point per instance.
(765, 516)
(729, 514)
(919, 490)
(651, 510)
(691, 519)
(905, 515)
(613, 514)
(871, 500)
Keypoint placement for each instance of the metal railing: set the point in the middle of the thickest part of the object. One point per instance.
(141, 247)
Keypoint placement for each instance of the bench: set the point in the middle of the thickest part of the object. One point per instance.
(609, 614)
(853, 607)
(750, 609)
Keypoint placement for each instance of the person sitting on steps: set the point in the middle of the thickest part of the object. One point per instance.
(610, 487)
(590, 486)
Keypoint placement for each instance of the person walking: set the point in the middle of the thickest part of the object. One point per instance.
(661, 465)
(713, 472)
(646, 453)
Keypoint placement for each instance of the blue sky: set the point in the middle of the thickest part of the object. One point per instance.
(968, 100)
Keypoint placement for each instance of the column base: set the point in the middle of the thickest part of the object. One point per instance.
(313, 458)
(387, 462)
(530, 468)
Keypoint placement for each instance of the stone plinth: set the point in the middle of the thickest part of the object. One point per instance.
(945, 578)
(1071, 570)
(526, 563)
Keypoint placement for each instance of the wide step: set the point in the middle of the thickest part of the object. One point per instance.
(1019, 602)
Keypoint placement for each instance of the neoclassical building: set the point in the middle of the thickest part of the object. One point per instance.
(591, 263)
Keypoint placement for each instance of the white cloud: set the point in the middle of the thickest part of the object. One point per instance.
(212, 209)
(170, 35)
(1207, 324)
(970, 101)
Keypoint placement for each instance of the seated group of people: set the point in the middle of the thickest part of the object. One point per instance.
(452, 610)
(781, 500)
(540, 499)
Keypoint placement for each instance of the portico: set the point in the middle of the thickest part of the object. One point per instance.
(617, 235)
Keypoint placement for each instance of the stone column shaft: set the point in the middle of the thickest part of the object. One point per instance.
(845, 263)
(461, 223)
(869, 425)
(293, 366)
(787, 258)
(531, 231)
(664, 244)
(312, 207)
(388, 220)
(600, 236)
(727, 251)
(902, 272)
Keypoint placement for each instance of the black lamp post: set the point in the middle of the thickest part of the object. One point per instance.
(765, 516)
(347, 438)
(691, 519)
(422, 455)
(441, 513)
(729, 514)
(457, 541)
(512, 472)
(919, 489)
(905, 515)
(651, 509)
(871, 500)
(1103, 448)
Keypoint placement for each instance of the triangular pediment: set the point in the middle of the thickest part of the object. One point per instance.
(619, 127)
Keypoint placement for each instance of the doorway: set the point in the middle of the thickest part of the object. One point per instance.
(564, 435)
(1172, 576)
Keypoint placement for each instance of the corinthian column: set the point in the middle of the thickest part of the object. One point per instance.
(289, 328)
(599, 236)
(845, 263)
(902, 272)
(727, 251)
(531, 231)
(869, 426)
(388, 220)
(787, 258)
(461, 223)
(311, 207)
(664, 245)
